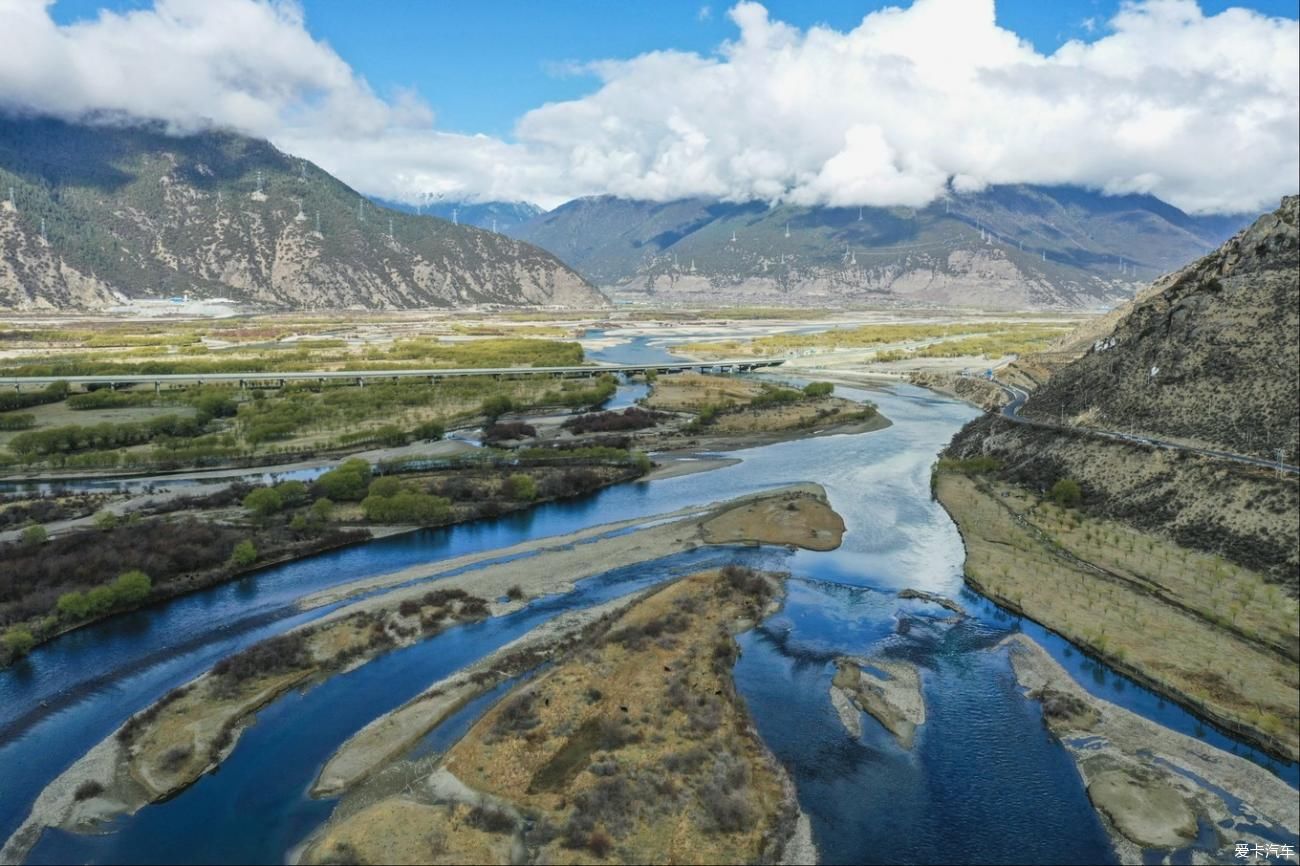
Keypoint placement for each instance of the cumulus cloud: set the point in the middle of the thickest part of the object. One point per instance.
(1199, 110)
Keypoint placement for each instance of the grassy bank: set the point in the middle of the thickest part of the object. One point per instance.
(1214, 637)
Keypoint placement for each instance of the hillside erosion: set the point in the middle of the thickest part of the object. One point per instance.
(101, 214)
(1208, 354)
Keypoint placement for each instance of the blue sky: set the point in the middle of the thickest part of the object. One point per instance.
(481, 65)
(811, 103)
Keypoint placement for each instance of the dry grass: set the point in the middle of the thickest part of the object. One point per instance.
(403, 831)
(687, 392)
(794, 519)
(1129, 617)
(660, 697)
(632, 749)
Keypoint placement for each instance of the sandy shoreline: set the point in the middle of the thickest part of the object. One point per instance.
(1156, 776)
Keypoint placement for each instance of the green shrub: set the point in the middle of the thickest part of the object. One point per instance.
(105, 520)
(496, 406)
(322, 509)
(772, 396)
(818, 389)
(347, 482)
(386, 486)
(264, 501)
(1066, 492)
(131, 587)
(969, 466)
(522, 487)
(407, 506)
(17, 422)
(34, 536)
(244, 554)
(18, 641)
(292, 492)
(429, 430)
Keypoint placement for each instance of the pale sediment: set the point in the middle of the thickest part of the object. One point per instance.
(1155, 787)
(893, 696)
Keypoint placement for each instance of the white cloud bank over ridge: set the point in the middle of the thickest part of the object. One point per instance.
(1199, 110)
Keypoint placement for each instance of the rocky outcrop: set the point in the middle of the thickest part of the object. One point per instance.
(890, 691)
(1208, 353)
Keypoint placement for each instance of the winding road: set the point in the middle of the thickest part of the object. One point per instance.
(1011, 411)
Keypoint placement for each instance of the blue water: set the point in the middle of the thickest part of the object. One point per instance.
(256, 808)
(983, 781)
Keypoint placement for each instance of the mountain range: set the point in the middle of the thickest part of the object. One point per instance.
(93, 214)
(496, 216)
(1006, 247)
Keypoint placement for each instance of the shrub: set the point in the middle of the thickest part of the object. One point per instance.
(292, 492)
(244, 554)
(631, 418)
(496, 406)
(386, 486)
(522, 487)
(73, 605)
(818, 389)
(87, 789)
(969, 466)
(17, 422)
(264, 501)
(773, 396)
(347, 482)
(502, 432)
(131, 587)
(34, 536)
(105, 520)
(599, 844)
(280, 654)
(490, 819)
(1066, 492)
(175, 758)
(518, 716)
(407, 506)
(18, 641)
(322, 509)
(515, 593)
(429, 430)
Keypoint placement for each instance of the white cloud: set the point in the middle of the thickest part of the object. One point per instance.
(1199, 110)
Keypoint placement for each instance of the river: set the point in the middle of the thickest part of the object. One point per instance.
(984, 781)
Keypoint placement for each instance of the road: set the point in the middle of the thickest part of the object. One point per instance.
(1011, 411)
(361, 377)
